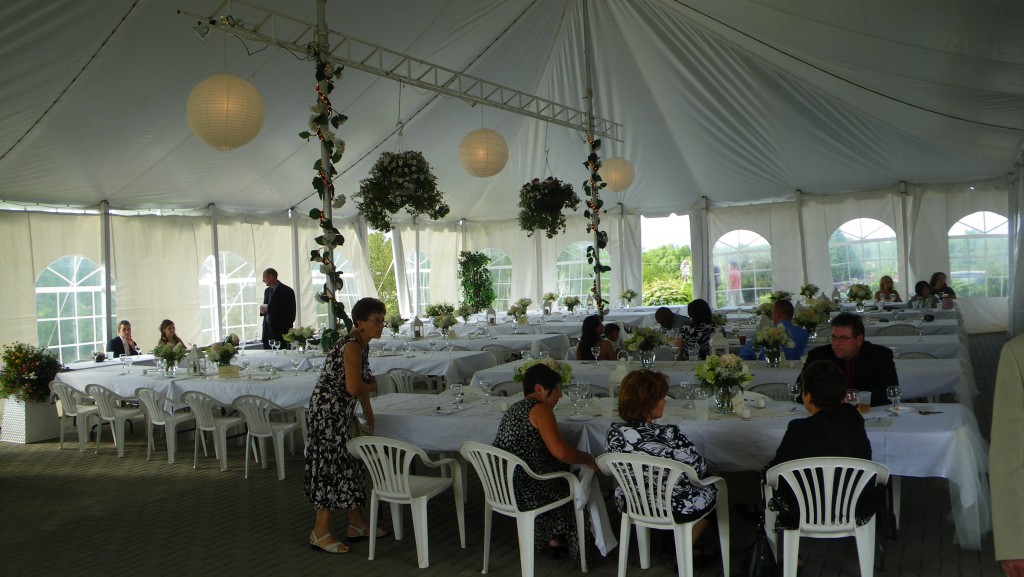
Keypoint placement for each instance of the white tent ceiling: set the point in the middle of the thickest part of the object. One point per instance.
(739, 101)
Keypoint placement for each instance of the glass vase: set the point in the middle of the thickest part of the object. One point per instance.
(170, 367)
(860, 306)
(647, 359)
(723, 400)
(773, 355)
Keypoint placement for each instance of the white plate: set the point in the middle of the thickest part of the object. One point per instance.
(580, 417)
(900, 410)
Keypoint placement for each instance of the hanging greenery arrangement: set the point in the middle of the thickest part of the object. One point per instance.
(541, 203)
(399, 180)
(592, 188)
(477, 285)
(322, 122)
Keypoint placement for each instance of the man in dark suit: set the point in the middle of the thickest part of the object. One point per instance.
(123, 344)
(866, 366)
(277, 310)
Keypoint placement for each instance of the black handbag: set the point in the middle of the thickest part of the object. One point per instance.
(759, 561)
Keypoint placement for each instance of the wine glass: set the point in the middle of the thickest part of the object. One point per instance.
(408, 350)
(573, 393)
(919, 325)
(295, 364)
(456, 389)
(274, 345)
(245, 366)
(584, 394)
(852, 397)
(485, 386)
(675, 352)
(596, 351)
(124, 364)
(525, 355)
(433, 346)
(204, 365)
(686, 393)
(894, 392)
(693, 351)
(127, 364)
(794, 392)
(451, 348)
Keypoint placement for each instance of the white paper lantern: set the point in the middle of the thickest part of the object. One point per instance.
(483, 153)
(618, 173)
(225, 111)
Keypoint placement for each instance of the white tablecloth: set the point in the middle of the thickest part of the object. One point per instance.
(918, 377)
(556, 344)
(947, 444)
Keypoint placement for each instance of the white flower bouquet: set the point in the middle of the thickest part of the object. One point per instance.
(299, 335)
(809, 291)
(172, 353)
(859, 292)
(550, 297)
(810, 317)
(774, 337)
(438, 309)
(719, 320)
(445, 321)
(628, 295)
(780, 296)
(722, 372)
(571, 302)
(564, 370)
(465, 311)
(222, 353)
(394, 321)
(644, 339)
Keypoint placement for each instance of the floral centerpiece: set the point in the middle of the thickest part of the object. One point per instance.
(541, 204)
(645, 340)
(780, 296)
(564, 370)
(719, 320)
(222, 353)
(442, 314)
(809, 291)
(299, 335)
(859, 293)
(765, 308)
(399, 180)
(720, 374)
(628, 295)
(518, 308)
(773, 339)
(570, 302)
(171, 354)
(550, 297)
(27, 372)
(394, 321)
(810, 317)
(465, 311)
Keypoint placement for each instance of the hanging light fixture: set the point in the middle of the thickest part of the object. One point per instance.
(618, 173)
(225, 111)
(483, 153)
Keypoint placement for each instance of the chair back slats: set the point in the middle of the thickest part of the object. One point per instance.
(502, 354)
(774, 391)
(154, 402)
(405, 380)
(389, 462)
(202, 407)
(106, 400)
(256, 411)
(827, 489)
(69, 397)
(646, 483)
(898, 330)
(496, 469)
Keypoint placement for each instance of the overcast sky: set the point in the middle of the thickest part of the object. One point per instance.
(655, 232)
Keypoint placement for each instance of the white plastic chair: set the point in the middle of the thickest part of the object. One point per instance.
(154, 402)
(72, 405)
(106, 401)
(501, 353)
(495, 468)
(203, 406)
(257, 411)
(507, 389)
(774, 391)
(916, 355)
(405, 380)
(827, 490)
(647, 484)
(390, 464)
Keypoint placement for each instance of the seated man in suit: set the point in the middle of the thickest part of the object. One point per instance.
(123, 344)
(782, 314)
(866, 366)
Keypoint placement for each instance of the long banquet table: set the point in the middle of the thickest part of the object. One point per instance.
(946, 444)
(919, 378)
(556, 344)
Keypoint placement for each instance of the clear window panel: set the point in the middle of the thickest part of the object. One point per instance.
(742, 266)
(863, 250)
(69, 307)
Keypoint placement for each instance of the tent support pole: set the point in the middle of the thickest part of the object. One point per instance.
(295, 264)
(217, 316)
(595, 192)
(108, 326)
(800, 233)
(323, 47)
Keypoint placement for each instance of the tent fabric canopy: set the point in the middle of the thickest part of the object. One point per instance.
(735, 101)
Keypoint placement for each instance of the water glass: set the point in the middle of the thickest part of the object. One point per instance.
(544, 355)
(573, 393)
(596, 351)
(124, 364)
(433, 346)
(893, 393)
(295, 363)
(245, 366)
(127, 364)
(794, 392)
(485, 386)
(525, 355)
(852, 397)
(686, 394)
(457, 392)
(584, 394)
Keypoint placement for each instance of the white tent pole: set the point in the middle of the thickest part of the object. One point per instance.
(416, 277)
(108, 325)
(1015, 195)
(324, 49)
(906, 240)
(800, 234)
(295, 267)
(217, 316)
(539, 272)
(622, 258)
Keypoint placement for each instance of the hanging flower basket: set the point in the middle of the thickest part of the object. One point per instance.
(541, 203)
(399, 180)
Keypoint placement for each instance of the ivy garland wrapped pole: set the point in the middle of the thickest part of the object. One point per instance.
(593, 185)
(323, 121)
(477, 286)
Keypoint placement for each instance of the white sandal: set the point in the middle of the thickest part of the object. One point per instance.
(315, 543)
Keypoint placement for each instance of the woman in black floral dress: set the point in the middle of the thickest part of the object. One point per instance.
(529, 431)
(334, 478)
(641, 400)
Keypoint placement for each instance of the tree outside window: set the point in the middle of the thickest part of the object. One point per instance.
(575, 276)
(864, 250)
(748, 256)
(501, 277)
(979, 255)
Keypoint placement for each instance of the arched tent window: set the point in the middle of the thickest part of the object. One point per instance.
(347, 295)
(239, 295)
(575, 275)
(410, 277)
(979, 255)
(69, 308)
(863, 250)
(742, 268)
(501, 277)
